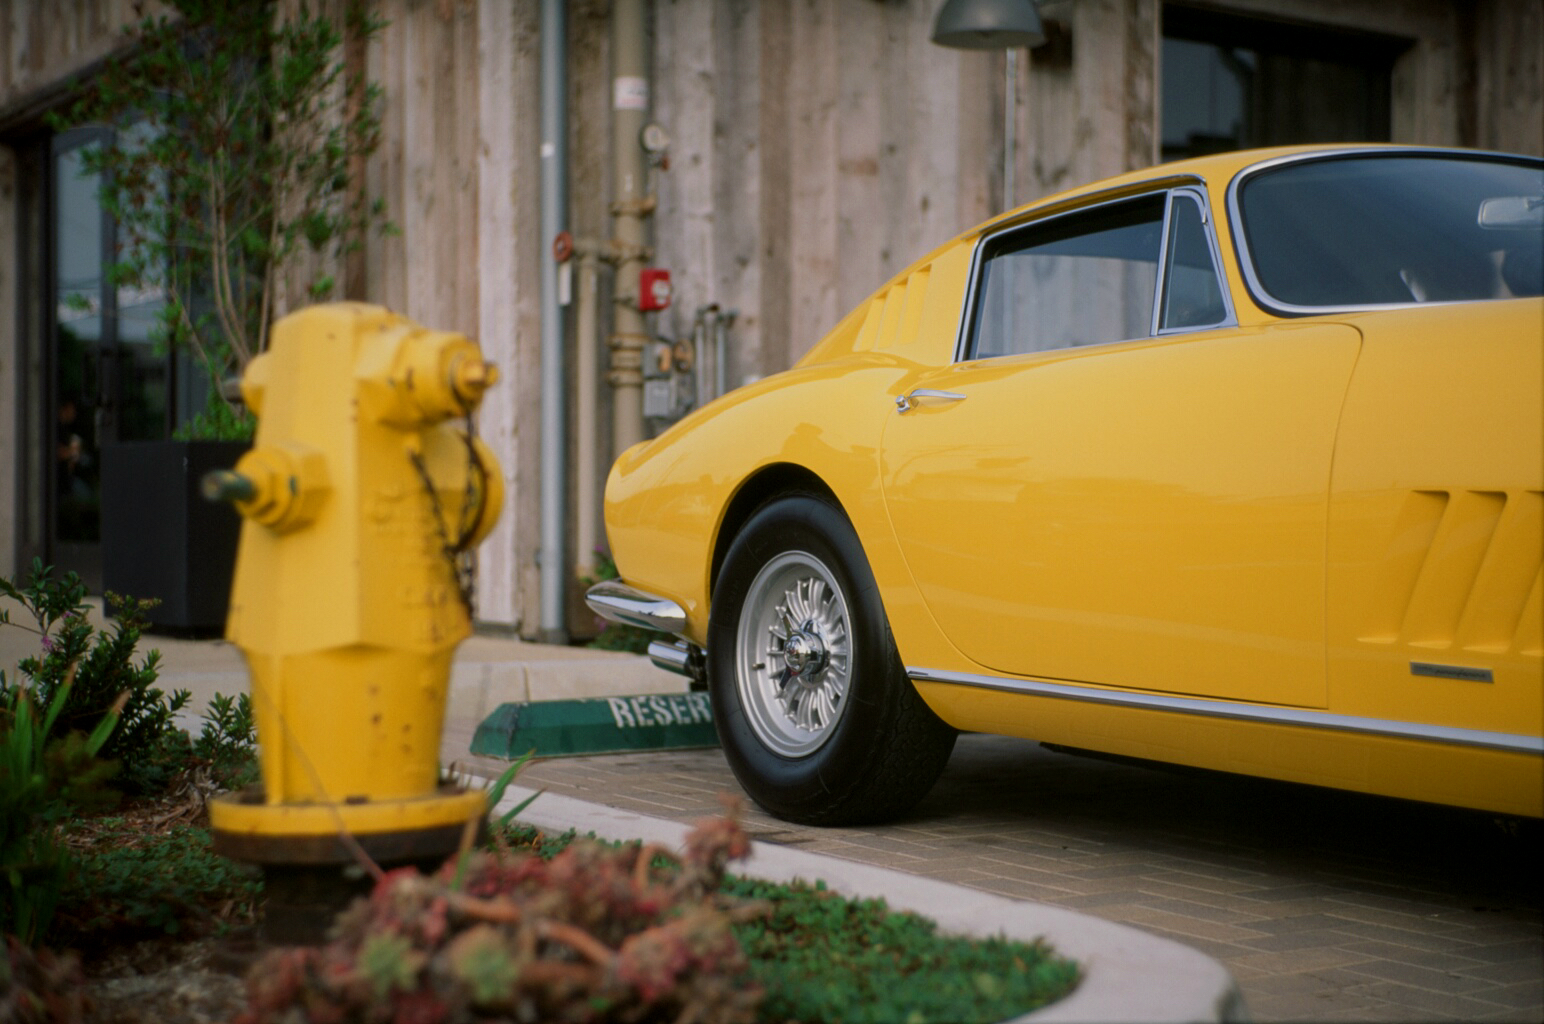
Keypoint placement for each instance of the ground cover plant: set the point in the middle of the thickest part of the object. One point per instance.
(543, 928)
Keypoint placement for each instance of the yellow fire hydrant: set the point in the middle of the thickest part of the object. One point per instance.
(360, 495)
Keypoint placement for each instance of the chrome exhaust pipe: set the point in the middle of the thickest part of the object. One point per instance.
(683, 659)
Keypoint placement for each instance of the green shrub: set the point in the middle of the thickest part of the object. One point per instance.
(101, 662)
(872, 965)
(227, 741)
(39, 774)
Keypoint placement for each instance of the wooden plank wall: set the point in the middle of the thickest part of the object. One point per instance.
(818, 147)
(1509, 77)
(458, 171)
(507, 172)
(43, 43)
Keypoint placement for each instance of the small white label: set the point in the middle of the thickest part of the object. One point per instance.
(630, 93)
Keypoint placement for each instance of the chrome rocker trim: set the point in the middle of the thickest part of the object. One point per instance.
(1509, 742)
(616, 601)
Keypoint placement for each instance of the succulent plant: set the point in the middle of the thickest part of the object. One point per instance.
(599, 933)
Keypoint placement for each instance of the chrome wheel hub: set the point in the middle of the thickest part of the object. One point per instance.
(793, 652)
(805, 653)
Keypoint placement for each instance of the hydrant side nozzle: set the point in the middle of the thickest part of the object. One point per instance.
(289, 485)
(471, 377)
(228, 485)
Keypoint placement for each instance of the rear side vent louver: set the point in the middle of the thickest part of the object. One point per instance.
(1464, 570)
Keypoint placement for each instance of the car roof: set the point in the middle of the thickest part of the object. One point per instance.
(1217, 170)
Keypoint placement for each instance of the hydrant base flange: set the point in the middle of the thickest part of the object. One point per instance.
(392, 831)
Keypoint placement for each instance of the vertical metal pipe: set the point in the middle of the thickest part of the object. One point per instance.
(721, 321)
(554, 204)
(630, 206)
(700, 343)
(1010, 117)
(586, 451)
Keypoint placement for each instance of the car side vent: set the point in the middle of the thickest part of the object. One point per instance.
(869, 332)
(1464, 570)
(895, 314)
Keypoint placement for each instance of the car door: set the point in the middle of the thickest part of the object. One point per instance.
(1116, 485)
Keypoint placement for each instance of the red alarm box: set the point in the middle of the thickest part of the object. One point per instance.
(653, 289)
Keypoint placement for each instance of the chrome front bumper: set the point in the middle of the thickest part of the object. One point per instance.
(630, 606)
(615, 600)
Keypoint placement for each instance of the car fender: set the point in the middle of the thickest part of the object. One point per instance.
(667, 499)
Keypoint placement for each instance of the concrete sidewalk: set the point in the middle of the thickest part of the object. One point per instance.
(487, 671)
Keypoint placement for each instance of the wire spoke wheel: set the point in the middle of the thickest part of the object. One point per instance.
(816, 716)
(794, 648)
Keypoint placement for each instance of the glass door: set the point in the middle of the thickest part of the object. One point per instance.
(110, 381)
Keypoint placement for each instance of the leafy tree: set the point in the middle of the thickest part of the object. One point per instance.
(237, 166)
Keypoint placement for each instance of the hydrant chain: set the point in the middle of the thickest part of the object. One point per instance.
(463, 566)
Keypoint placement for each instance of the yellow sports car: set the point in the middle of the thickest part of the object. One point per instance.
(1235, 463)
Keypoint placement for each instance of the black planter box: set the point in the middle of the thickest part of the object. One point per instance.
(161, 539)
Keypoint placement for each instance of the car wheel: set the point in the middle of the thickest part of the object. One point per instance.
(814, 710)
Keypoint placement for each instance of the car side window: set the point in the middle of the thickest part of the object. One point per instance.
(1192, 293)
(1085, 278)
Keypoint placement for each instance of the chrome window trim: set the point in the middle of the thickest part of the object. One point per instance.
(1241, 248)
(1165, 228)
(1082, 204)
(1198, 196)
(1258, 713)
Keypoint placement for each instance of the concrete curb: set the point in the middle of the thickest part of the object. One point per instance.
(1129, 975)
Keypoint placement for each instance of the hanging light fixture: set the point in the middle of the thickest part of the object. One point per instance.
(994, 25)
(988, 24)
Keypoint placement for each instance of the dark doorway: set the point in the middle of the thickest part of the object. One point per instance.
(1233, 82)
(109, 379)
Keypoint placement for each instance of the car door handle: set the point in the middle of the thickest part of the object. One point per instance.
(909, 401)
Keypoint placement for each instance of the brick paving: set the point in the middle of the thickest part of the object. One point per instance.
(1325, 906)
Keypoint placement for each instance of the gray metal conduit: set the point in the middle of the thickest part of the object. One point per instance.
(630, 208)
(554, 210)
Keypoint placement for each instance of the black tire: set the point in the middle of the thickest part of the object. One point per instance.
(814, 711)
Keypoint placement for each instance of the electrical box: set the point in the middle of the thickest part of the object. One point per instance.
(659, 399)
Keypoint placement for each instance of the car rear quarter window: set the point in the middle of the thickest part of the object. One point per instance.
(1192, 290)
(1080, 279)
(1391, 229)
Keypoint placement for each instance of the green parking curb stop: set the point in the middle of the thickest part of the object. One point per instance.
(603, 725)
